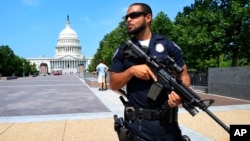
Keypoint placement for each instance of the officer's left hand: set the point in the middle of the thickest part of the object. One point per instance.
(173, 99)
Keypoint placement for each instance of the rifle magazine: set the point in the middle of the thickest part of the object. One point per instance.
(155, 91)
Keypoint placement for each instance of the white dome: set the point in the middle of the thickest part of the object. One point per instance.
(68, 43)
(67, 32)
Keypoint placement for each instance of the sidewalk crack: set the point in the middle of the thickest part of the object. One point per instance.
(65, 124)
(6, 129)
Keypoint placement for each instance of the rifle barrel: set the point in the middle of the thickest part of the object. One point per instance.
(223, 125)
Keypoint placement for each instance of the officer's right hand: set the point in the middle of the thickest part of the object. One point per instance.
(142, 72)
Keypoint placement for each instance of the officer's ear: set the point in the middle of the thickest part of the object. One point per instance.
(148, 17)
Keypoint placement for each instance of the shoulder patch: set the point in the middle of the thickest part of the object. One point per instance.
(176, 45)
(115, 52)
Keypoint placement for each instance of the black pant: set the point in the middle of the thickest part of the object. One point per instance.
(155, 130)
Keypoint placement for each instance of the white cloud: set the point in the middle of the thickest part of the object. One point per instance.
(30, 2)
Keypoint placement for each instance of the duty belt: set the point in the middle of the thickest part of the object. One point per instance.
(167, 115)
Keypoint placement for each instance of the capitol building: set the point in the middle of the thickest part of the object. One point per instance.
(68, 58)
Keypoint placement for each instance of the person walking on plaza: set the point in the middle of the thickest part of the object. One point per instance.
(138, 78)
(101, 70)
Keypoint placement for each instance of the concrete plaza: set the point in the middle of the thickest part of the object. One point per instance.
(65, 108)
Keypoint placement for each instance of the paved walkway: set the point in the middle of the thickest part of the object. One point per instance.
(64, 108)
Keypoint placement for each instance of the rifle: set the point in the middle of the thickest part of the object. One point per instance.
(166, 75)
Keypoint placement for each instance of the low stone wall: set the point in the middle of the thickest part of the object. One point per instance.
(92, 79)
(231, 82)
(93, 82)
(8, 78)
(201, 88)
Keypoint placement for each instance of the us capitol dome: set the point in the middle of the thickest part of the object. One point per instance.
(68, 43)
(68, 58)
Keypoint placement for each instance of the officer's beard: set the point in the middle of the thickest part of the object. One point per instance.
(137, 30)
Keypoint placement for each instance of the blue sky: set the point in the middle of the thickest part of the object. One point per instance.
(31, 27)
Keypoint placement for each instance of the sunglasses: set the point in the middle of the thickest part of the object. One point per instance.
(134, 15)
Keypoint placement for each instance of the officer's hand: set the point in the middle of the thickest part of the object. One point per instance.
(143, 72)
(174, 99)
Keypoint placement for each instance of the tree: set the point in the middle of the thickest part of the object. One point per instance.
(12, 64)
(210, 33)
(7, 58)
(161, 24)
(109, 44)
(237, 28)
(205, 34)
(203, 30)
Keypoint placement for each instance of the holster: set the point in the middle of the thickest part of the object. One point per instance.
(123, 133)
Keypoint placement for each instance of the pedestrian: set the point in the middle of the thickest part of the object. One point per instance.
(137, 77)
(101, 70)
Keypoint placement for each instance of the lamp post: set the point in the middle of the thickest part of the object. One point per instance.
(23, 69)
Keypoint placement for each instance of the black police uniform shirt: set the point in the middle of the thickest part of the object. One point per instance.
(137, 89)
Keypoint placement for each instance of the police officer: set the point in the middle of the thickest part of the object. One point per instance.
(147, 119)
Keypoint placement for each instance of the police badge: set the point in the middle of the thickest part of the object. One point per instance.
(159, 48)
